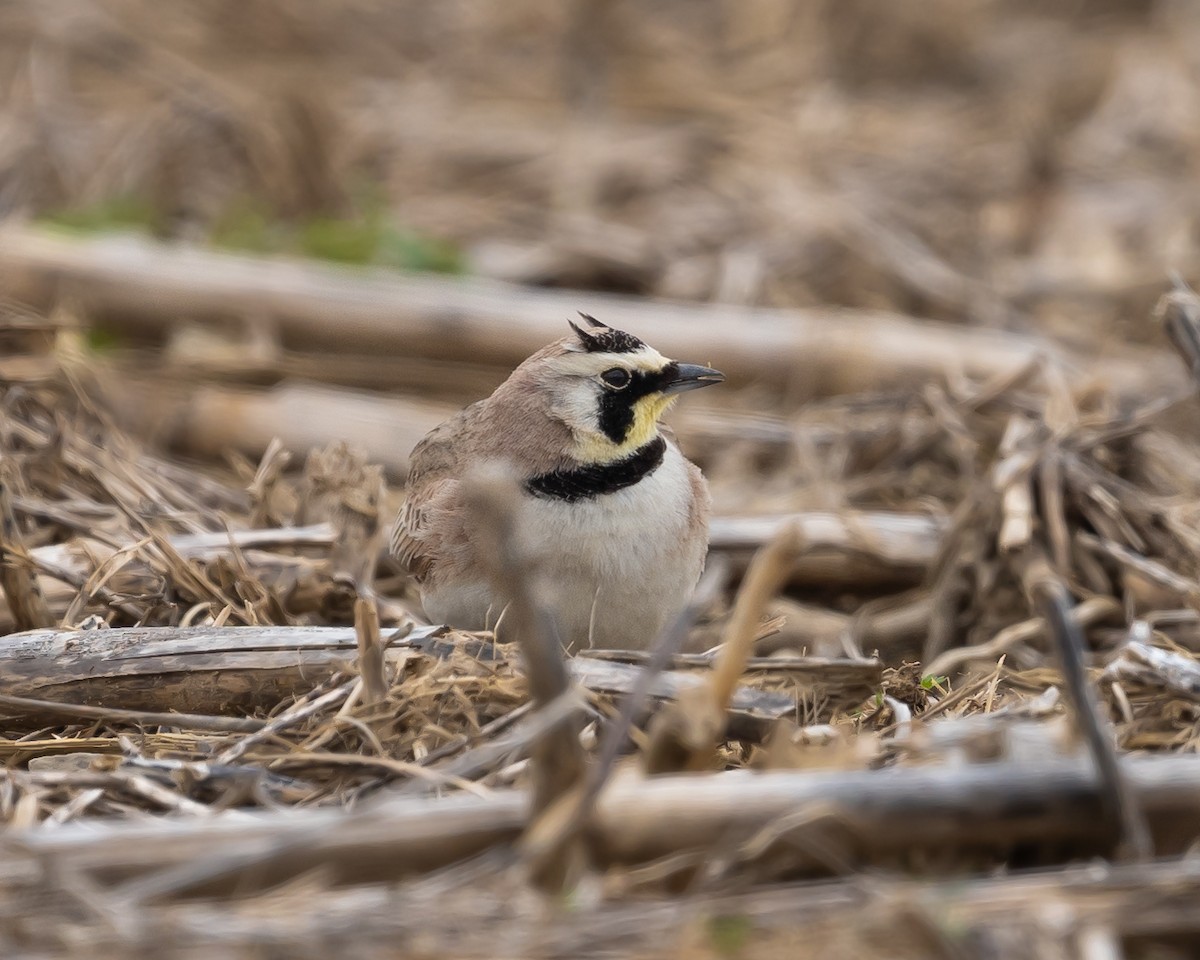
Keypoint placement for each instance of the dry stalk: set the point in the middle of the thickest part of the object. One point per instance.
(371, 665)
(1012, 478)
(1049, 596)
(1091, 611)
(557, 757)
(683, 736)
(1179, 314)
(569, 815)
(299, 711)
(145, 718)
(104, 572)
(18, 581)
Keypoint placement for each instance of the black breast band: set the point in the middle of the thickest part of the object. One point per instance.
(586, 482)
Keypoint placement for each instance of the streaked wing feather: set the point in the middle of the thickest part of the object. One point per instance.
(434, 462)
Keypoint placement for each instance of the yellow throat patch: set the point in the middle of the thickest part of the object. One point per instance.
(647, 411)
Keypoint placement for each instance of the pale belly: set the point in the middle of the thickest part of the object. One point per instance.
(612, 570)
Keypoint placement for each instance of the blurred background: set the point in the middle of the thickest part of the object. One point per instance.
(1000, 162)
(990, 164)
(250, 253)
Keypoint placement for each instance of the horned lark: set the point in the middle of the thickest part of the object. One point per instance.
(612, 517)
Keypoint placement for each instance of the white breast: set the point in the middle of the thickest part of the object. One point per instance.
(613, 569)
(616, 567)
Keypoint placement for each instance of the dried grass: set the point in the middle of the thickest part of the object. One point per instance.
(1002, 164)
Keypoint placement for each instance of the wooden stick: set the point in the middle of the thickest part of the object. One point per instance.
(1091, 611)
(1048, 595)
(372, 666)
(201, 670)
(1179, 314)
(1139, 662)
(37, 711)
(221, 670)
(841, 548)
(213, 419)
(684, 736)
(986, 805)
(558, 762)
(134, 281)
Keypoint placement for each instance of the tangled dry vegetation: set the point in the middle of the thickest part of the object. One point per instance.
(939, 693)
(208, 642)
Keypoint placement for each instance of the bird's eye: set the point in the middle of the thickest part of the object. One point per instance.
(616, 378)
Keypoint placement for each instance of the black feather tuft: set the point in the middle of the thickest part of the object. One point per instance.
(604, 339)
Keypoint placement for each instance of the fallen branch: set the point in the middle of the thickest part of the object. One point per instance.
(1049, 596)
(862, 673)
(222, 670)
(136, 282)
(558, 760)
(39, 712)
(1091, 611)
(841, 548)
(214, 419)
(985, 806)
(204, 670)
(1151, 902)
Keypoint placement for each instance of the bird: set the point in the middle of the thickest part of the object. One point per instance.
(611, 516)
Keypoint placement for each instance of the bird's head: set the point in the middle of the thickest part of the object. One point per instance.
(610, 389)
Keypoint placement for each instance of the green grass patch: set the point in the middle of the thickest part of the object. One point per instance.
(729, 934)
(369, 238)
(372, 241)
(112, 213)
(101, 339)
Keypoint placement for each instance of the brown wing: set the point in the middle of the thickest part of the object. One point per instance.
(412, 543)
(433, 474)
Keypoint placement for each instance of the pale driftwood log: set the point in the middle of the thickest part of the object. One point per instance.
(836, 681)
(610, 677)
(136, 281)
(221, 670)
(881, 813)
(202, 670)
(216, 418)
(849, 548)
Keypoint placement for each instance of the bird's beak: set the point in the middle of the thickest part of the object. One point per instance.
(691, 376)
